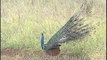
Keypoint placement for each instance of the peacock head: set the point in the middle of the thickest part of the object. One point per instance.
(42, 40)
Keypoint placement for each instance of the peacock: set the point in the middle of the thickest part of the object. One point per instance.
(73, 30)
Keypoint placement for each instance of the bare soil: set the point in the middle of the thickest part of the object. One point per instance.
(24, 54)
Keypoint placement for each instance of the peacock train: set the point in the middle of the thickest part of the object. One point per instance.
(73, 30)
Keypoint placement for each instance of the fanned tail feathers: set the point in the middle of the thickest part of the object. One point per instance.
(74, 29)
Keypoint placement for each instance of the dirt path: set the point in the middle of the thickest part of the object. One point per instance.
(23, 54)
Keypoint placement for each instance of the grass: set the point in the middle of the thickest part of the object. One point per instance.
(23, 21)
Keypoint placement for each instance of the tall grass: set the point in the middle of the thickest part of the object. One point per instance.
(23, 21)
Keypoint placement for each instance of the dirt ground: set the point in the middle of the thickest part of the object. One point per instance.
(24, 54)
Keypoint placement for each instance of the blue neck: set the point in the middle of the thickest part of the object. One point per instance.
(42, 41)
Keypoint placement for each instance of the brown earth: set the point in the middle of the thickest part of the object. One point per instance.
(24, 54)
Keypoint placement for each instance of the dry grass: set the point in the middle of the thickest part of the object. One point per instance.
(23, 21)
